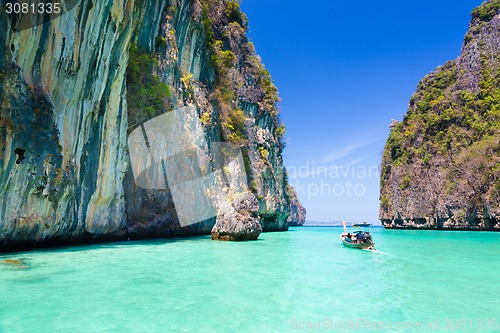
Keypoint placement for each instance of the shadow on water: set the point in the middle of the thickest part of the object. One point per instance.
(32, 280)
(108, 245)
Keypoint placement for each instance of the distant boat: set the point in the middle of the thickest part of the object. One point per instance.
(359, 239)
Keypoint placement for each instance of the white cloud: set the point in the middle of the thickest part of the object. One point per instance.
(338, 154)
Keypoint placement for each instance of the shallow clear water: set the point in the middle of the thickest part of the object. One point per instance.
(301, 280)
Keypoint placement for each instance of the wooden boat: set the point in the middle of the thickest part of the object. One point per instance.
(360, 239)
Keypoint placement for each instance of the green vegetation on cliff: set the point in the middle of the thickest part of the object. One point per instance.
(487, 11)
(443, 119)
(225, 61)
(147, 96)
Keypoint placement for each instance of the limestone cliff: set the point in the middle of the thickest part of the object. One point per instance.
(297, 215)
(440, 167)
(74, 88)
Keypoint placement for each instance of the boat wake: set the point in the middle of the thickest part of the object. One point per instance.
(374, 251)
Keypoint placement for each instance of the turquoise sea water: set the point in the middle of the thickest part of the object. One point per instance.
(303, 280)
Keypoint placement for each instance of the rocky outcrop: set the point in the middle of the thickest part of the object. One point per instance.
(440, 167)
(297, 216)
(14, 263)
(71, 92)
(238, 220)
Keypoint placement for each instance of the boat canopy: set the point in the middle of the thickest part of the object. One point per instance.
(357, 225)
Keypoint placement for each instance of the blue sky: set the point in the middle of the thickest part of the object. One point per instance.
(344, 69)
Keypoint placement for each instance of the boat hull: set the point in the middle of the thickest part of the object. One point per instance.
(362, 246)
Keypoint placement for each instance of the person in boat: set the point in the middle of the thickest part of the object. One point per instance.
(360, 237)
(348, 238)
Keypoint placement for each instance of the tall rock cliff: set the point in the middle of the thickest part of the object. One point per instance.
(74, 90)
(297, 215)
(441, 164)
